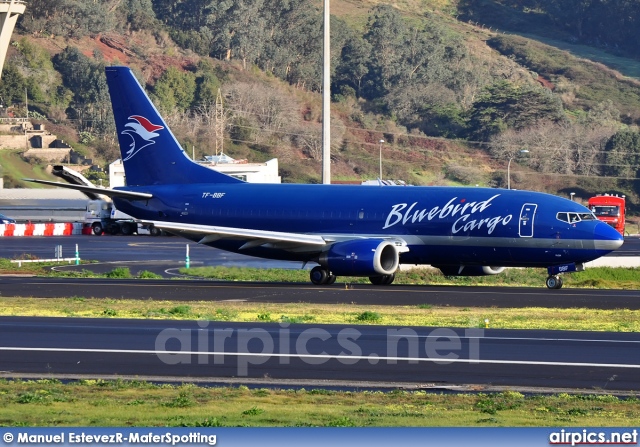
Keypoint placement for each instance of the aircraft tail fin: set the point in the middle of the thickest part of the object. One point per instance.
(150, 152)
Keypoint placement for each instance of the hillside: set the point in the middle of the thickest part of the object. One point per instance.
(452, 97)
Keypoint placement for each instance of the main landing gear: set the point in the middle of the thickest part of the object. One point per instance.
(383, 280)
(554, 282)
(320, 276)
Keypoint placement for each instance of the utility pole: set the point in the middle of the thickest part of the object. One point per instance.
(219, 127)
(326, 99)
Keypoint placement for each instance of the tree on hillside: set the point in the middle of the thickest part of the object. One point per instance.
(175, 90)
(562, 147)
(13, 85)
(266, 111)
(183, 14)
(85, 77)
(622, 157)
(138, 14)
(386, 36)
(240, 30)
(293, 47)
(207, 85)
(68, 18)
(353, 65)
(504, 105)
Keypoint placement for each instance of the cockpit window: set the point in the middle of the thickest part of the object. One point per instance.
(587, 216)
(574, 217)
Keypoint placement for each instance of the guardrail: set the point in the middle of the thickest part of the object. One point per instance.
(40, 229)
(58, 258)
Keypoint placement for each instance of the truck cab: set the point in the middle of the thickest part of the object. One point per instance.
(610, 209)
(101, 216)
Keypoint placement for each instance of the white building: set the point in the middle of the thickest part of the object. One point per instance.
(249, 172)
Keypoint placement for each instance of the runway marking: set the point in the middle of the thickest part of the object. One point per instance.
(325, 356)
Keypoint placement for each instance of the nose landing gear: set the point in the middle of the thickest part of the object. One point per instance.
(554, 282)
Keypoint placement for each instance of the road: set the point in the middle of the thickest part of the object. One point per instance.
(363, 294)
(419, 356)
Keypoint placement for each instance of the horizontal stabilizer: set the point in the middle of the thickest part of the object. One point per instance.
(130, 195)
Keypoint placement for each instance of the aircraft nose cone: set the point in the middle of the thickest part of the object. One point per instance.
(606, 237)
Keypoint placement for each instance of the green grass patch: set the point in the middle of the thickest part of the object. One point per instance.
(14, 169)
(600, 277)
(120, 403)
(49, 269)
(616, 320)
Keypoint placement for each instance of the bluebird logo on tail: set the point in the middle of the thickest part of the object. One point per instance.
(145, 131)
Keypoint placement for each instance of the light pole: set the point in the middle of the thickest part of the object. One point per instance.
(523, 151)
(326, 96)
(380, 144)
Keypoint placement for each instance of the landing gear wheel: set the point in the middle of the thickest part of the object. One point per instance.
(330, 279)
(318, 275)
(97, 228)
(554, 282)
(382, 280)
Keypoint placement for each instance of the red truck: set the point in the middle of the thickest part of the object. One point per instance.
(609, 208)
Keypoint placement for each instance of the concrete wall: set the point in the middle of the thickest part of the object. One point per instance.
(50, 155)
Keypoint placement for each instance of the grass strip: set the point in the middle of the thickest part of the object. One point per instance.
(599, 277)
(137, 403)
(617, 320)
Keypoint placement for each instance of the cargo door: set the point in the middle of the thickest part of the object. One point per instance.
(527, 216)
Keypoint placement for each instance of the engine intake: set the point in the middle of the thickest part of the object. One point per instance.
(363, 257)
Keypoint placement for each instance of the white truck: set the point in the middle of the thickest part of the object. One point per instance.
(102, 217)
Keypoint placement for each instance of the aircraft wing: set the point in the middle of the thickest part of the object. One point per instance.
(254, 238)
(130, 195)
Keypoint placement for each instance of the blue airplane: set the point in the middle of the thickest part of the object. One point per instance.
(348, 230)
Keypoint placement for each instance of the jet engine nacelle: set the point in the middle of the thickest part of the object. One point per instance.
(362, 257)
(469, 270)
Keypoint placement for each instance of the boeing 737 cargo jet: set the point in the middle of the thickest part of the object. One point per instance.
(347, 230)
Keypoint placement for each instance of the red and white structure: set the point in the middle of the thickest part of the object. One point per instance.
(41, 229)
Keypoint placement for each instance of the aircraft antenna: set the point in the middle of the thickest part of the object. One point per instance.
(219, 126)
